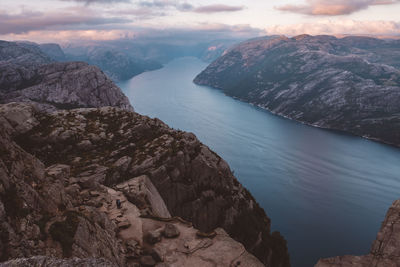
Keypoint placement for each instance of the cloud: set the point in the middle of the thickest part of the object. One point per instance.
(340, 27)
(69, 36)
(199, 33)
(187, 7)
(88, 2)
(30, 21)
(217, 8)
(333, 7)
(141, 13)
(164, 4)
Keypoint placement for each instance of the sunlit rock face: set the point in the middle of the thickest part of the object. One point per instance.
(349, 84)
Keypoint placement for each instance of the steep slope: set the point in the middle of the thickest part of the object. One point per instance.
(61, 85)
(28, 75)
(51, 50)
(57, 172)
(322, 81)
(385, 250)
(22, 54)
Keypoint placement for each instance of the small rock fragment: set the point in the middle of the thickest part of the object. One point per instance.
(147, 261)
(124, 224)
(171, 231)
(157, 254)
(154, 236)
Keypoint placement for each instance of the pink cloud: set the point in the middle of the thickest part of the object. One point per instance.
(352, 27)
(68, 36)
(333, 7)
(74, 17)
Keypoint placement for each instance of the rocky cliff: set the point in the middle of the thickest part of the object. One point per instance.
(62, 172)
(385, 251)
(21, 54)
(28, 75)
(61, 85)
(51, 50)
(348, 84)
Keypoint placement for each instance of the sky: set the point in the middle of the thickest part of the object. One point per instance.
(76, 20)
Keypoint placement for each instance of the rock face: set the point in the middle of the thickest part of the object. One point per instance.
(51, 50)
(349, 84)
(61, 174)
(44, 261)
(26, 75)
(19, 55)
(64, 86)
(385, 251)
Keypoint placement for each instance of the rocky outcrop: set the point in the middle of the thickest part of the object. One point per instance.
(141, 192)
(28, 75)
(385, 251)
(61, 174)
(348, 84)
(51, 50)
(21, 54)
(44, 261)
(62, 86)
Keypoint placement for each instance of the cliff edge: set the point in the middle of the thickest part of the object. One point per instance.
(62, 172)
(385, 250)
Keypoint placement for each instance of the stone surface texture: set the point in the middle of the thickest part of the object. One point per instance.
(28, 75)
(62, 172)
(350, 84)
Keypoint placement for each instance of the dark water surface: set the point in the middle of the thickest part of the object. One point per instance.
(326, 192)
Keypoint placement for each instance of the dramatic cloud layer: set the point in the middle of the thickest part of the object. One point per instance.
(185, 6)
(333, 7)
(186, 20)
(88, 2)
(342, 27)
(188, 35)
(29, 21)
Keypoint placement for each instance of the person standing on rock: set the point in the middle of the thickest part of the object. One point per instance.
(118, 203)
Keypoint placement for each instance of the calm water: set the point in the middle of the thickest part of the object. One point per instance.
(327, 193)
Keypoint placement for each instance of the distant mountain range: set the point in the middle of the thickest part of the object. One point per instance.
(350, 84)
(116, 63)
(124, 59)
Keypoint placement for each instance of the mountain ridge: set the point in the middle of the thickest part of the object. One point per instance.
(318, 80)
